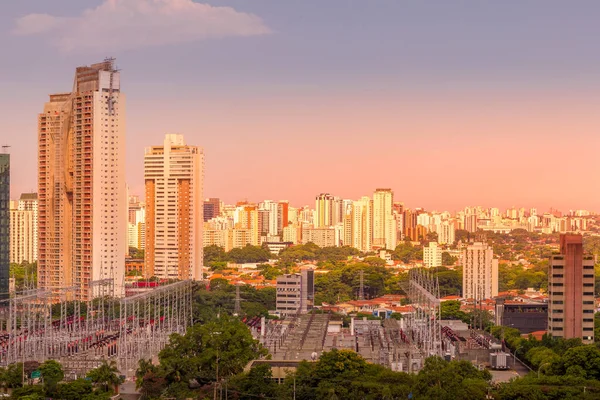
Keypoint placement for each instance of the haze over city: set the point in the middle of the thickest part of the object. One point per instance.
(479, 104)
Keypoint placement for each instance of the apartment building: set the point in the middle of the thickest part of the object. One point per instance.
(173, 175)
(571, 282)
(82, 195)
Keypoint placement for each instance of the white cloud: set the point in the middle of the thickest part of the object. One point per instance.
(127, 24)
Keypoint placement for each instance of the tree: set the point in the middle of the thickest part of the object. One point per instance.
(450, 309)
(447, 259)
(52, 374)
(586, 357)
(256, 383)
(12, 376)
(225, 342)
(249, 254)
(74, 390)
(106, 375)
(214, 253)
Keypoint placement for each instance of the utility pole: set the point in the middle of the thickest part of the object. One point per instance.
(361, 290)
(237, 309)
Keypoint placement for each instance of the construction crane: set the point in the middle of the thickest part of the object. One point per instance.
(5, 148)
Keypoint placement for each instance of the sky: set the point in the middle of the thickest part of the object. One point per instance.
(449, 103)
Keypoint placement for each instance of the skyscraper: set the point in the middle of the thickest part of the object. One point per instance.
(4, 224)
(324, 211)
(82, 195)
(383, 200)
(362, 224)
(571, 291)
(480, 272)
(174, 174)
(23, 229)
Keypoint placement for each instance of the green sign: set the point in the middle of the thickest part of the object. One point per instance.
(36, 374)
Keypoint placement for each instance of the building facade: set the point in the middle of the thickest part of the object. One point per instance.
(480, 272)
(432, 255)
(296, 292)
(4, 224)
(82, 195)
(324, 211)
(173, 175)
(322, 237)
(23, 229)
(362, 224)
(571, 291)
(383, 200)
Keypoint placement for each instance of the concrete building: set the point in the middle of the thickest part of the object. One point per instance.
(324, 211)
(383, 200)
(571, 291)
(296, 292)
(480, 272)
(23, 229)
(362, 225)
(526, 317)
(322, 237)
(4, 225)
(446, 232)
(136, 227)
(212, 208)
(432, 255)
(82, 195)
(174, 174)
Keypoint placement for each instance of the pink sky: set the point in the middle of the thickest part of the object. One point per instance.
(439, 152)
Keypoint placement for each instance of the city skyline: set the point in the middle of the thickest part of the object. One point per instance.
(479, 118)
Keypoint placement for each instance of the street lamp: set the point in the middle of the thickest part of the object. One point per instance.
(515, 355)
(540, 368)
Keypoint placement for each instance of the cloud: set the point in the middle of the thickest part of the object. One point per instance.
(127, 24)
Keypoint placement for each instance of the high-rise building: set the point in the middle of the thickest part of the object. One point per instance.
(212, 208)
(4, 224)
(362, 225)
(174, 174)
(432, 255)
(480, 272)
(446, 232)
(136, 230)
(23, 229)
(324, 211)
(82, 195)
(383, 200)
(571, 302)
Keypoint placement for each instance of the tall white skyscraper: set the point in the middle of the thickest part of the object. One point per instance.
(480, 272)
(82, 195)
(174, 175)
(383, 199)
